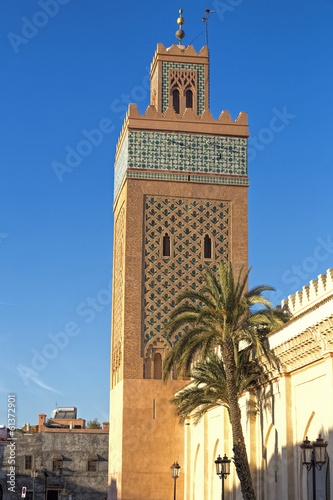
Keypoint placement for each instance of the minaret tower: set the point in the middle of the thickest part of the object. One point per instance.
(180, 204)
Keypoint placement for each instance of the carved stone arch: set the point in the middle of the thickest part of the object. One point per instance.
(156, 345)
(213, 470)
(182, 80)
(195, 471)
(306, 431)
(266, 466)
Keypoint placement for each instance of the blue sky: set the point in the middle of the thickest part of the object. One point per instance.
(70, 67)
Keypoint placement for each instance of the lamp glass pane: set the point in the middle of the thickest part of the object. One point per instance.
(320, 454)
(218, 465)
(227, 467)
(307, 453)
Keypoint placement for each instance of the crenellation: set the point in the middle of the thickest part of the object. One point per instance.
(298, 300)
(313, 289)
(321, 283)
(189, 121)
(317, 290)
(242, 118)
(225, 117)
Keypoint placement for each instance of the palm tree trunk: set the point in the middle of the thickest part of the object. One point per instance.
(239, 448)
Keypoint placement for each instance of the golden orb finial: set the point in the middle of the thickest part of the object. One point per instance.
(180, 33)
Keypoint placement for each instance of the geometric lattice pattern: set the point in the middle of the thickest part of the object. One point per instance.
(118, 294)
(186, 221)
(200, 88)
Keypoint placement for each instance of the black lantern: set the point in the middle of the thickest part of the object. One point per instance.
(319, 450)
(222, 466)
(175, 470)
(307, 449)
(222, 469)
(314, 455)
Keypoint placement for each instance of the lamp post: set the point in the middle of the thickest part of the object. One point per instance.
(222, 469)
(34, 474)
(175, 469)
(44, 470)
(314, 455)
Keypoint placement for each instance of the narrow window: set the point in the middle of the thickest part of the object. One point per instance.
(175, 100)
(28, 462)
(166, 245)
(157, 366)
(207, 247)
(189, 99)
(92, 465)
(57, 466)
(154, 409)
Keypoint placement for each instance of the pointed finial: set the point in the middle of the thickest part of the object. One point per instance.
(180, 21)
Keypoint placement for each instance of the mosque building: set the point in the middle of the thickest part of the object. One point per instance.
(180, 204)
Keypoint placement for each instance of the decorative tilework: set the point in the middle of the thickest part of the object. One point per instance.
(187, 152)
(120, 167)
(186, 221)
(183, 153)
(199, 68)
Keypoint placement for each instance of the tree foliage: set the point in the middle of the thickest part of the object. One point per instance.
(93, 424)
(222, 315)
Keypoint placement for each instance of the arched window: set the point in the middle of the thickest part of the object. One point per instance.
(157, 366)
(166, 245)
(207, 247)
(175, 100)
(189, 98)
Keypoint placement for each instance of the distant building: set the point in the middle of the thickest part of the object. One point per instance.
(71, 460)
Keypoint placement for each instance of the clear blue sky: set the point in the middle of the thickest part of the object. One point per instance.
(78, 67)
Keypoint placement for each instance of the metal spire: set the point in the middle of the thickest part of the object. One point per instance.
(180, 33)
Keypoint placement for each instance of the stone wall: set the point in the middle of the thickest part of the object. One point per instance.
(74, 447)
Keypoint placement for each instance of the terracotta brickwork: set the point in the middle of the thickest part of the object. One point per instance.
(180, 204)
(118, 310)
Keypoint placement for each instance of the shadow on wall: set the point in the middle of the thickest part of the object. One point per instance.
(78, 491)
(112, 490)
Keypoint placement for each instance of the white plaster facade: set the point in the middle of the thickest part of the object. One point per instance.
(277, 417)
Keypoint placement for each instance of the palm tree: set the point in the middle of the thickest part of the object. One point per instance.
(220, 315)
(208, 386)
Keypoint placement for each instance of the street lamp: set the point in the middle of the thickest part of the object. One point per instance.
(175, 469)
(34, 474)
(314, 455)
(44, 470)
(222, 469)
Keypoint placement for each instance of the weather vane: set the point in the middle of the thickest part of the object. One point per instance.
(180, 33)
(208, 13)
